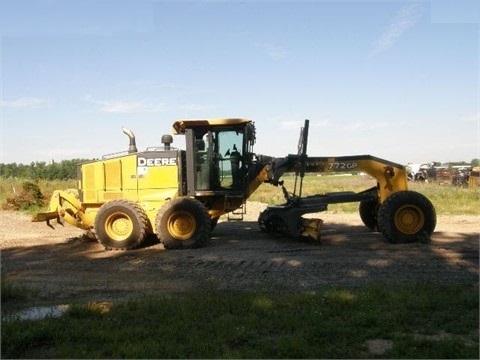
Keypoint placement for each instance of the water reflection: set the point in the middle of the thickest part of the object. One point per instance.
(39, 312)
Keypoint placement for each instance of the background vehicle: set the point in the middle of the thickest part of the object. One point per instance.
(179, 195)
(422, 172)
(474, 177)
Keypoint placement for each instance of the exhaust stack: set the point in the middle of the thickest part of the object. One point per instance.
(132, 147)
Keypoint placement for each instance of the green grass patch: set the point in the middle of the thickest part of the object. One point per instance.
(10, 291)
(450, 200)
(419, 321)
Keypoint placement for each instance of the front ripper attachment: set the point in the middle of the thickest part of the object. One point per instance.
(63, 205)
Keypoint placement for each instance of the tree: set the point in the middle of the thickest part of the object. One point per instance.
(64, 170)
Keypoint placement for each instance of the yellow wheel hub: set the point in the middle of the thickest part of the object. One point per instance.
(409, 219)
(181, 225)
(119, 226)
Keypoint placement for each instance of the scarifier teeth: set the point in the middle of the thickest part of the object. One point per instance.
(50, 225)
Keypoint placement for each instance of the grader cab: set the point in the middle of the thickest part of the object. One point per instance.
(179, 195)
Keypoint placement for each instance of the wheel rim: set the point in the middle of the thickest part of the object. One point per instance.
(119, 226)
(181, 225)
(409, 219)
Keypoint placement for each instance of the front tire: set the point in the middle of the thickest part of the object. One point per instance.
(121, 225)
(407, 216)
(183, 223)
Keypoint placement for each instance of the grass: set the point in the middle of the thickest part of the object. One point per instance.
(10, 291)
(451, 200)
(418, 320)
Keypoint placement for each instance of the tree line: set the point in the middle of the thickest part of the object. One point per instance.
(63, 170)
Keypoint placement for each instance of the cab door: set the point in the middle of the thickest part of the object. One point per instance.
(214, 160)
(229, 158)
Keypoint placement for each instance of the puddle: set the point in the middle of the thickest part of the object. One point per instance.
(39, 312)
(379, 346)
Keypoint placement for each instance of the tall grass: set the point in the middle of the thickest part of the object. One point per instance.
(10, 291)
(449, 199)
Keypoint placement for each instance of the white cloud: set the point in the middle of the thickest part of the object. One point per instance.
(127, 107)
(290, 125)
(276, 52)
(364, 125)
(406, 18)
(23, 103)
(322, 123)
(197, 107)
(297, 124)
(470, 118)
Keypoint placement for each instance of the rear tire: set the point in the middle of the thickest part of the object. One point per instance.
(183, 223)
(368, 213)
(120, 225)
(407, 216)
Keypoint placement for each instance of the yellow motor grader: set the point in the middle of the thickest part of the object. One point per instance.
(179, 195)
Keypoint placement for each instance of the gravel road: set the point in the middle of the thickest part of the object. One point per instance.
(63, 265)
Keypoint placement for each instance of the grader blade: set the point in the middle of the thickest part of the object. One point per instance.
(311, 227)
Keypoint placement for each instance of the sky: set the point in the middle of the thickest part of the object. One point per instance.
(399, 80)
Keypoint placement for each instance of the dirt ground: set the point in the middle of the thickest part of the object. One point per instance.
(64, 266)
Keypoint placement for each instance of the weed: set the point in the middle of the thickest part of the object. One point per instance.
(29, 196)
(11, 291)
